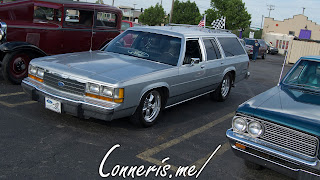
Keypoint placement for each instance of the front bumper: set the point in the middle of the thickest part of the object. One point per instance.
(274, 159)
(80, 106)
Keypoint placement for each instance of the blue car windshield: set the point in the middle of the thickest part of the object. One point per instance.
(306, 74)
(150, 46)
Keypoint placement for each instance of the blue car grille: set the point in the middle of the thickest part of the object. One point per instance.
(64, 84)
(288, 138)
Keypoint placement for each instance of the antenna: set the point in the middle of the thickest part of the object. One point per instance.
(285, 59)
(270, 8)
(91, 42)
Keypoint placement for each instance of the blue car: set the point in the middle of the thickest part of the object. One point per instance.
(280, 128)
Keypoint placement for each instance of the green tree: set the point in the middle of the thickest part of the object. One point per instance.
(153, 15)
(99, 2)
(186, 13)
(235, 12)
(211, 15)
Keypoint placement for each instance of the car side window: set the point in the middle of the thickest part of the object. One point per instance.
(76, 17)
(46, 14)
(231, 46)
(105, 19)
(212, 49)
(192, 51)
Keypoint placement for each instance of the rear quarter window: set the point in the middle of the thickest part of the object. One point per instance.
(231, 46)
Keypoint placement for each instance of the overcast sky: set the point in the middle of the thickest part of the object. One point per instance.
(283, 8)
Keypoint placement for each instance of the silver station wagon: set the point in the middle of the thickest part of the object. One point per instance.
(139, 73)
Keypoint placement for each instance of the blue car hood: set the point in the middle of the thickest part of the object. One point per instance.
(294, 108)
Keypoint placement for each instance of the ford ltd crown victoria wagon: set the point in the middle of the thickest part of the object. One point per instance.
(140, 72)
(36, 28)
(280, 128)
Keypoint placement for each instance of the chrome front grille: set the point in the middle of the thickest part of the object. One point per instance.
(69, 85)
(288, 138)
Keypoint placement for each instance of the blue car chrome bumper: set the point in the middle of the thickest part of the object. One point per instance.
(277, 160)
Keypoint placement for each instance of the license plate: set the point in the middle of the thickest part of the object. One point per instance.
(53, 105)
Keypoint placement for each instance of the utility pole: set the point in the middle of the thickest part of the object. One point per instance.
(161, 2)
(171, 13)
(303, 8)
(262, 21)
(134, 6)
(270, 8)
(112, 2)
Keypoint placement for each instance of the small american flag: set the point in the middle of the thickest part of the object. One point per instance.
(202, 23)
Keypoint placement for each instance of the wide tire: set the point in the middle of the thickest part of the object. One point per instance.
(15, 66)
(264, 56)
(223, 90)
(149, 109)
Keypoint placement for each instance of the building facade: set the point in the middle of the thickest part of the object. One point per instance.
(281, 33)
(292, 26)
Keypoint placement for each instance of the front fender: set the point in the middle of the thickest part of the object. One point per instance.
(154, 86)
(13, 46)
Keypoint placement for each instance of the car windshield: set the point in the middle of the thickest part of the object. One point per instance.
(150, 46)
(306, 74)
(249, 41)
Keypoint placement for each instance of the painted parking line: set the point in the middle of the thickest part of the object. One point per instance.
(225, 147)
(16, 104)
(147, 155)
(12, 94)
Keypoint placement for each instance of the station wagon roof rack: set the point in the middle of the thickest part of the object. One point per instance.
(207, 29)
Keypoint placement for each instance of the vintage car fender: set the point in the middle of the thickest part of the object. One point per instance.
(13, 46)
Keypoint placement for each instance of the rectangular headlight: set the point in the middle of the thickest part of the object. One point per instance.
(107, 91)
(32, 70)
(40, 73)
(93, 88)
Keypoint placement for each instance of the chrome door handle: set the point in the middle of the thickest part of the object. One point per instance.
(222, 62)
(202, 66)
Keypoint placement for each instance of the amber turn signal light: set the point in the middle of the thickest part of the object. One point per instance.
(240, 146)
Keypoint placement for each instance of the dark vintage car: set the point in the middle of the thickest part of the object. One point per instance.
(32, 28)
(262, 50)
(280, 128)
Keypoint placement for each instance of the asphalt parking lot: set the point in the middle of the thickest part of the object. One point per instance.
(38, 143)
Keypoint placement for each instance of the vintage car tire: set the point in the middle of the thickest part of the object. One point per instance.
(15, 66)
(252, 165)
(264, 56)
(150, 101)
(223, 90)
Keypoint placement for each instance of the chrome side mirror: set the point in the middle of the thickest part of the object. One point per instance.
(3, 31)
(194, 61)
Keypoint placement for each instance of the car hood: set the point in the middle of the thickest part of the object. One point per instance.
(98, 65)
(295, 108)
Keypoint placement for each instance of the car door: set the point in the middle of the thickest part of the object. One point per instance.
(214, 62)
(191, 79)
(77, 30)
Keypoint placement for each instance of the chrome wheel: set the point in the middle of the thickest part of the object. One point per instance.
(225, 87)
(151, 106)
